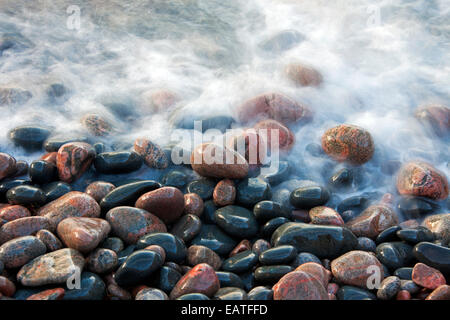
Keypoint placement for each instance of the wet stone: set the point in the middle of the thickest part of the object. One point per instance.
(372, 221)
(389, 288)
(193, 296)
(138, 267)
(153, 155)
(42, 172)
(55, 190)
(172, 245)
(403, 295)
(404, 273)
(214, 238)
(112, 243)
(6, 185)
(433, 255)
(224, 193)
(317, 270)
(21, 168)
(244, 245)
(52, 243)
(280, 174)
(50, 294)
(23, 227)
(203, 187)
(388, 235)
(101, 261)
(342, 179)
(151, 294)
(73, 159)
(236, 221)
(427, 277)
(53, 144)
(117, 162)
(299, 285)
(304, 257)
(414, 236)
(415, 207)
(129, 223)
(167, 203)
(166, 278)
(99, 189)
(439, 225)
(366, 244)
(241, 262)
(187, 227)
(26, 196)
(278, 255)
(354, 293)
(260, 293)
(200, 279)
(209, 209)
(51, 268)
(175, 178)
(356, 204)
(229, 279)
(309, 197)
(270, 226)
(409, 286)
(260, 246)
(271, 274)
(123, 254)
(29, 137)
(13, 212)
(395, 255)
(325, 216)
(230, 293)
(96, 125)
(7, 287)
(193, 204)
(17, 252)
(201, 254)
(250, 191)
(267, 210)
(440, 293)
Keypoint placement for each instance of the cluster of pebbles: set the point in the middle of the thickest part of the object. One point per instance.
(219, 231)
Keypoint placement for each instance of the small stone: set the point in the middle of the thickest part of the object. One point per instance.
(433, 255)
(438, 224)
(404, 273)
(303, 75)
(51, 268)
(50, 294)
(7, 165)
(151, 294)
(13, 212)
(52, 243)
(42, 172)
(409, 286)
(440, 293)
(112, 243)
(200, 279)
(55, 190)
(117, 162)
(167, 203)
(193, 204)
(102, 261)
(29, 137)
(388, 235)
(419, 234)
(96, 125)
(278, 255)
(236, 221)
(173, 246)
(99, 189)
(366, 244)
(153, 155)
(193, 296)
(299, 285)
(260, 293)
(23, 227)
(187, 227)
(416, 207)
(230, 293)
(83, 234)
(389, 288)
(325, 216)
(309, 197)
(244, 245)
(203, 187)
(19, 251)
(394, 255)
(229, 279)
(304, 257)
(241, 262)
(138, 267)
(175, 178)
(317, 271)
(260, 246)
(201, 254)
(251, 191)
(354, 293)
(28, 196)
(427, 277)
(224, 193)
(7, 287)
(267, 210)
(348, 143)
(372, 221)
(73, 159)
(115, 292)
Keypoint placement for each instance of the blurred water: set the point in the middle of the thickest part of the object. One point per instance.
(379, 60)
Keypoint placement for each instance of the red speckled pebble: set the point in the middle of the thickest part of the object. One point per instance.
(201, 254)
(23, 227)
(299, 285)
(167, 203)
(419, 178)
(403, 295)
(7, 287)
(73, 159)
(317, 271)
(286, 137)
(427, 277)
(242, 246)
(153, 155)
(200, 279)
(51, 242)
(51, 294)
(13, 212)
(50, 157)
(19, 251)
(224, 193)
(440, 293)
(373, 220)
(7, 165)
(332, 288)
(325, 216)
(99, 189)
(193, 204)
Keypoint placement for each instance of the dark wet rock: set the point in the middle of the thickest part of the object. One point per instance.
(42, 172)
(101, 261)
(388, 235)
(214, 238)
(17, 252)
(166, 278)
(230, 293)
(281, 41)
(354, 293)
(73, 159)
(280, 174)
(175, 178)
(260, 246)
(53, 144)
(123, 254)
(304, 257)
(410, 286)
(23, 227)
(193, 296)
(299, 285)
(172, 245)
(96, 125)
(200, 279)
(129, 223)
(415, 207)
(420, 234)
(187, 227)
(366, 244)
(201, 254)
(279, 255)
(193, 204)
(51, 268)
(112, 243)
(270, 226)
(99, 147)
(241, 262)
(229, 279)
(21, 169)
(209, 208)
(272, 273)
(52, 243)
(26, 195)
(153, 155)
(433, 255)
(267, 210)
(404, 273)
(356, 203)
(151, 294)
(117, 162)
(236, 221)
(309, 197)
(138, 267)
(395, 255)
(127, 194)
(167, 203)
(203, 187)
(322, 241)
(342, 179)
(389, 288)
(29, 137)
(248, 279)
(6, 185)
(55, 190)
(260, 293)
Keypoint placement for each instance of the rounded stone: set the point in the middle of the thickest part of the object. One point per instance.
(173, 246)
(113, 243)
(151, 294)
(101, 261)
(214, 238)
(230, 293)
(203, 187)
(435, 117)
(187, 227)
(42, 172)
(166, 278)
(26, 196)
(19, 251)
(201, 254)
(348, 143)
(236, 221)
(278, 255)
(29, 137)
(389, 288)
(229, 279)
(193, 296)
(73, 159)
(224, 193)
(299, 285)
(372, 221)
(440, 293)
(260, 293)
(99, 189)
(388, 235)
(419, 234)
(117, 162)
(277, 136)
(260, 246)
(175, 178)
(50, 294)
(366, 244)
(241, 262)
(325, 216)
(193, 204)
(55, 190)
(92, 287)
(23, 227)
(7, 287)
(304, 257)
(251, 191)
(394, 255)
(167, 203)
(7, 165)
(153, 155)
(13, 212)
(309, 197)
(404, 273)
(267, 210)
(96, 125)
(200, 279)
(354, 293)
(303, 75)
(317, 271)
(270, 226)
(271, 274)
(244, 245)
(52, 243)
(438, 224)
(427, 277)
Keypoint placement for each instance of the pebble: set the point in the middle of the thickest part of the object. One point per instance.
(21, 169)
(129, 223)
(251, 191)
(356, 204)
(211, 160)
(304, 257)
(438, 224)
(101, 261)
(230, 293)
(272, 106)
(42, 172)
(236, 221)
(414, 236)
(229, 279)
(433, 255)
(112, 243)
(224, 193)
(19, 251)
(51, 268)
(272, 132)
(260, 246)
(175, 178)
(403, 295)
(187, 227)
(342, 179)
(427, 277)
(55, 190)
(50, 294)
(99, 189)
(416, 207)
(244, 245)
(270, 226)
(317, 271)
(117, 162)
(409, 286)
(278, 255)
(260, 293)
(303, 75)
(193, 204)
(440, 293)
(52, 243)
(348, 143)
(167, 203)
(422, 179)
(200, 279)
(299, 285)
(23, 227)
(325, 216)
(13, 212)
(138, 267)
(123, 254)
(151, 294)
(366, 244)
(54, 143)
(277, 175)
(96, 125)
(127, 194)
(27, 196)
(166, 278)
(241, 262)
(203, 187)
(73, 159)
(193, 296)
(309, 197)
(114, 292)
(404, 273)
(267, 210)
(354, 293)
(322, 241)
(388, 235)
(389, 288)
(29, 137)
(372, 221)
(153, 155)
(353, 268)
(394, 255)
(214, 238)
(201, 254)
(72, 204)
(7, 165)
(271, 274)
(6, 185)
(173, 246)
